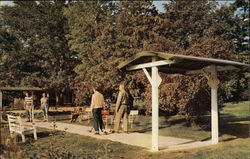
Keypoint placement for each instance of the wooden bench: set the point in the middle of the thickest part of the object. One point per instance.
(15, 125)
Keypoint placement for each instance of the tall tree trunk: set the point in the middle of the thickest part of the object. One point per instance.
(61, 99)
(57, 98)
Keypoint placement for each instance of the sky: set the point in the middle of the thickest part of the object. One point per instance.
(159, 4)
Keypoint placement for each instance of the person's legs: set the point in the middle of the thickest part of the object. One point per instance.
(118, 117)
(125, 120)
(46, 112)
(28, 114)
(74, 117)
(95, 120)
(100, 121)
(43, 109)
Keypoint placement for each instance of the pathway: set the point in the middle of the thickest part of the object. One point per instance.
(136, 139)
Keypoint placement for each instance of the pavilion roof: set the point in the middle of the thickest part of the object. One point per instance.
(173, 63)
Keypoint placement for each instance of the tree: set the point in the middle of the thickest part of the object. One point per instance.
(84, 19)
(9, 65)
(42, 58)
(234, 27)
(106, 35)
(191, 27)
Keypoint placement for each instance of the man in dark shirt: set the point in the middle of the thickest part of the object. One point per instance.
(121, 110)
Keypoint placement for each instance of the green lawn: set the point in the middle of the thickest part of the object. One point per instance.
(234, 140)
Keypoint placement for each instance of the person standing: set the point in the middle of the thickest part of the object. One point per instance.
(28, 106)
(97, 104)
(121, 110)
(44, 106)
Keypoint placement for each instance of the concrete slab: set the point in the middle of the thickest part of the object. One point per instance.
(191, 145)
(135, 139)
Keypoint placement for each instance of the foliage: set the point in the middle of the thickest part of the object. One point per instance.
(188, 25)
(35, 50)
(78, 44)
(115, 36)
(111, 32)
(235, 21)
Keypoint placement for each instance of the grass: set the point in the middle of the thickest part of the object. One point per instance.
(234, 140)
(238, 110)
(58, 144)
(67, 145)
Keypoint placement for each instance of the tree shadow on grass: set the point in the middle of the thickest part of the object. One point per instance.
(41, 134)
(234, 126)
(44, 134)
(143, 130)
(146, 127)
(176, 121)
(229, 125)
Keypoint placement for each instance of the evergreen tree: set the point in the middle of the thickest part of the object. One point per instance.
(235, 26)
(108, 33)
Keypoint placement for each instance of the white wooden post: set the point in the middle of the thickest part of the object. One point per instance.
(155, 108)
(213, 83)
(1, 105)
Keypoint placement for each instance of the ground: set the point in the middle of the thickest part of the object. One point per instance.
(234, 141)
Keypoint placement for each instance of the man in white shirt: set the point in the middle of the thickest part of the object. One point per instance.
(97, 104)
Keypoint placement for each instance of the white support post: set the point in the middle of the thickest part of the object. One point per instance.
(155, 80)
(155, 107)
(1, 105)
(213, 83)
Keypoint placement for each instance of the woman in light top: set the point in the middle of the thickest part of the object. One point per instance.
(44, 106)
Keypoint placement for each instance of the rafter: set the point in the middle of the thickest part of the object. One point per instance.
(150, 64)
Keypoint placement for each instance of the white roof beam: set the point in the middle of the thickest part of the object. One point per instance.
(150, 64)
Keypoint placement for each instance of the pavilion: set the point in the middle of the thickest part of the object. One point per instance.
(179, 64)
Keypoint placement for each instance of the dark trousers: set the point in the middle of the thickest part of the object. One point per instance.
(98, 122)
(74, 117)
